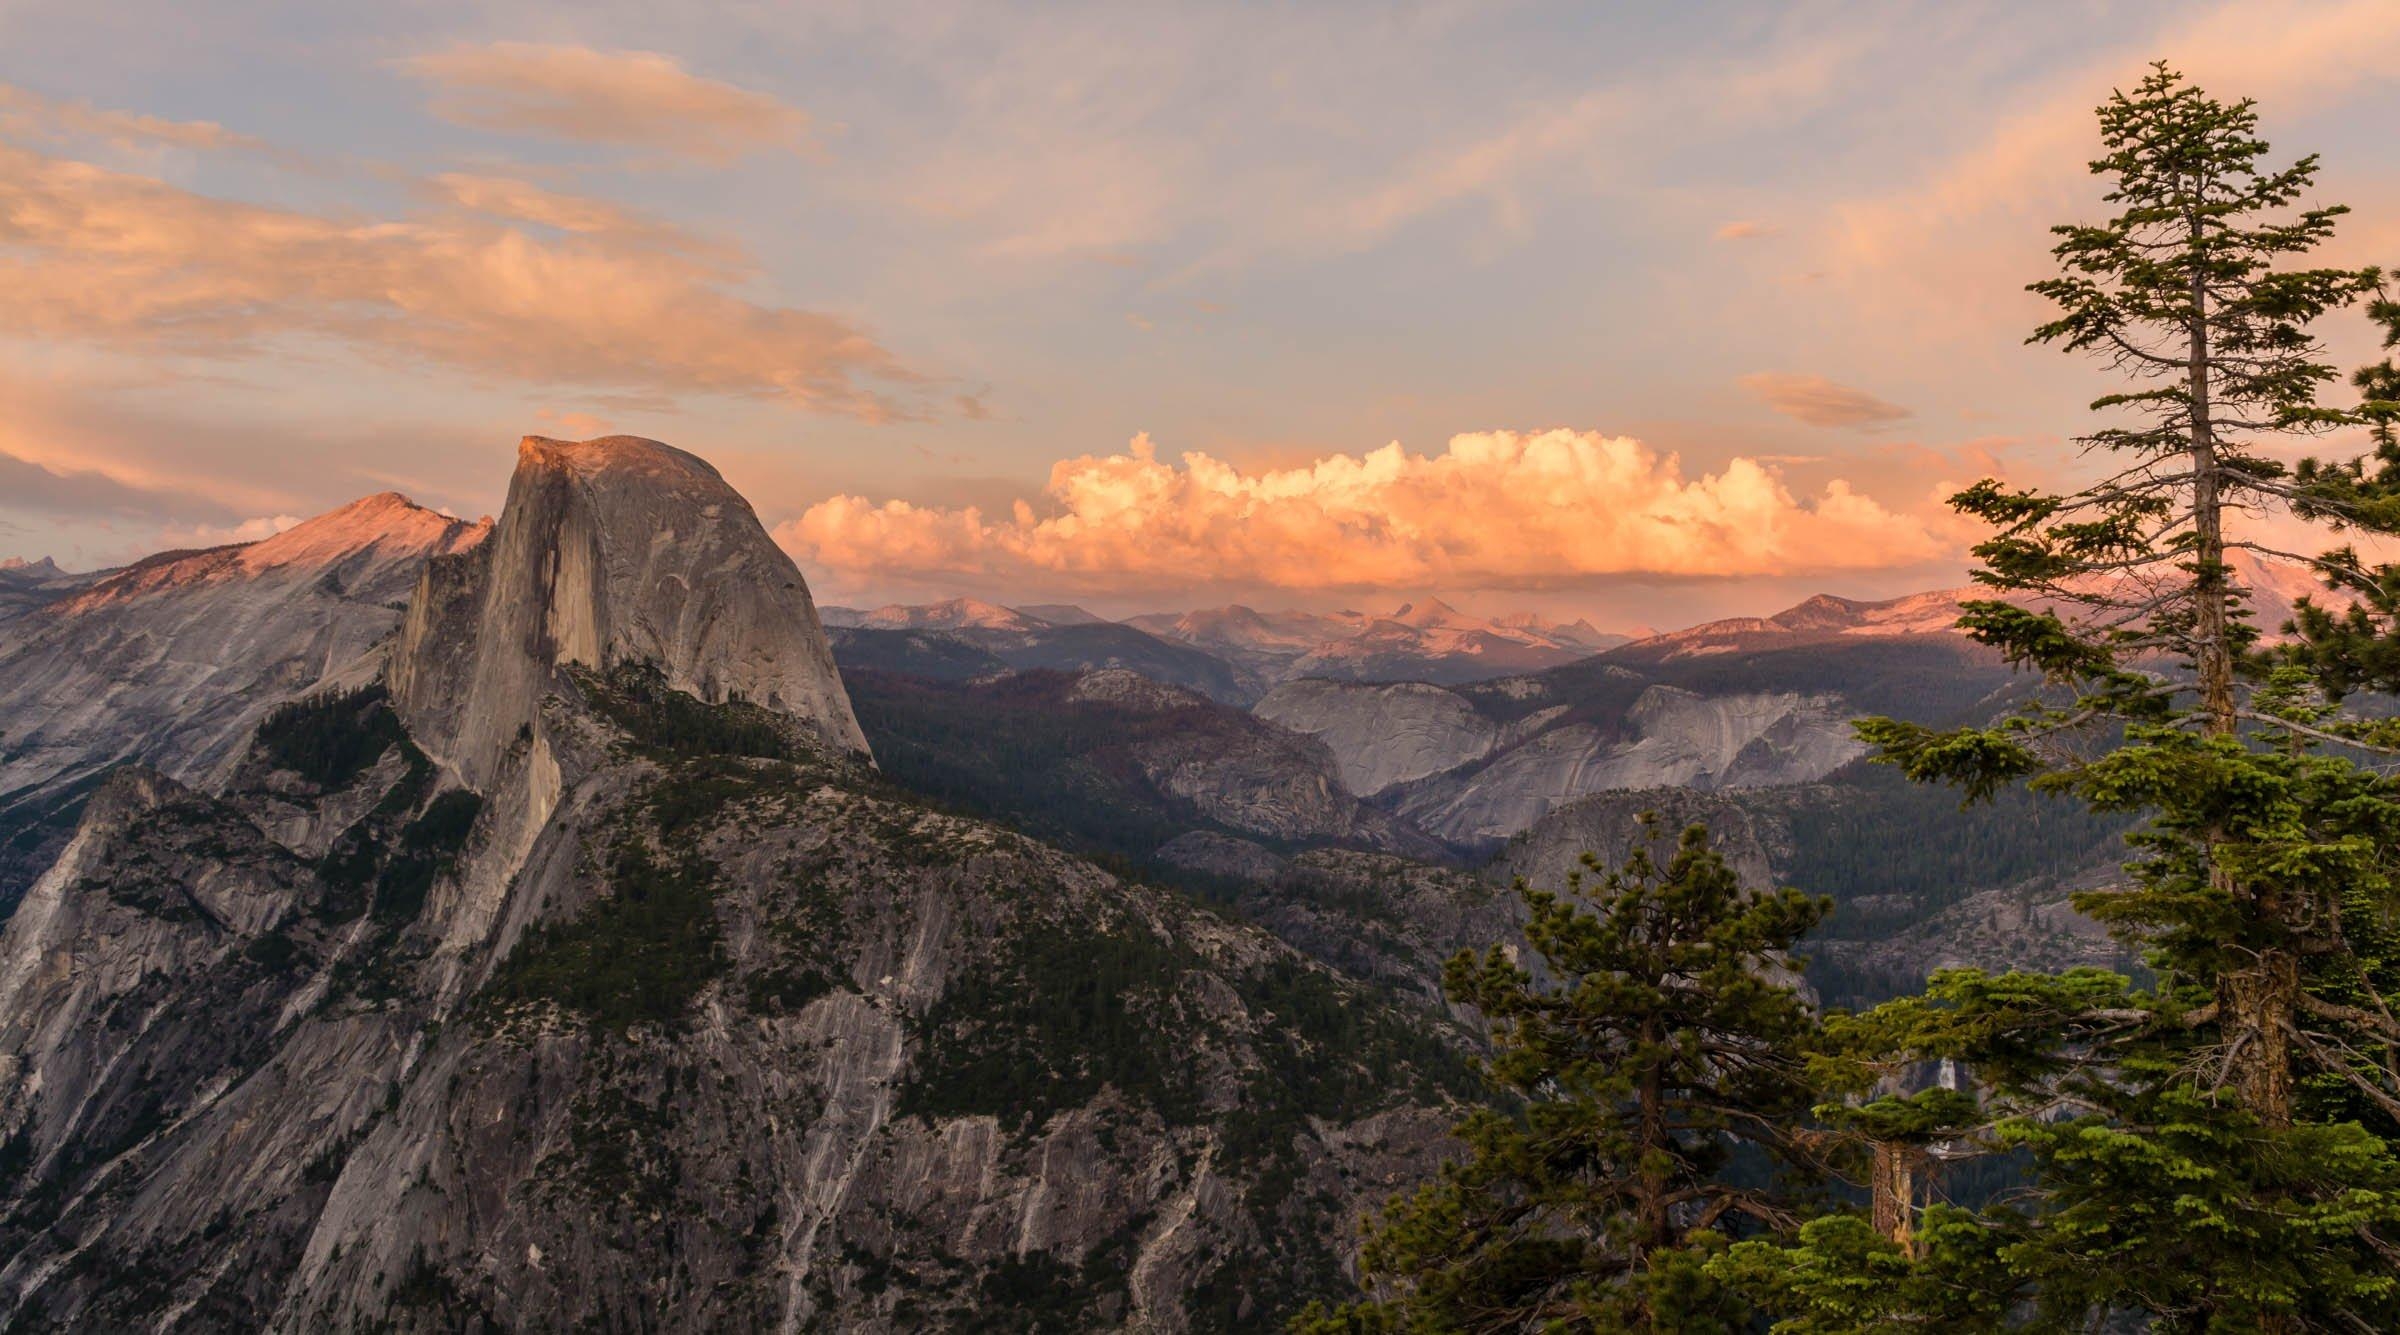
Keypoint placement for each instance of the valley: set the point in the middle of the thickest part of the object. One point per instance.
(509, 867)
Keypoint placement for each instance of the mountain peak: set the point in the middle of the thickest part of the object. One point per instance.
(608, 551)
(613, 452)
(386, 520)
(371, 538)
(1429, 612)
(952, 614)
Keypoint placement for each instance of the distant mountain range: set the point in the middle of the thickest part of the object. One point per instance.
(1423, 640)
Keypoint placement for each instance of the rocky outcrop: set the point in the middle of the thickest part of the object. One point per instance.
(1384, 734)
(658, 1008)
(173, 661)
(611, 550)
(1221, 855)
(759, 1045)
(1242, 773)
(27, 586)
(1753, 836)
(1474, 765)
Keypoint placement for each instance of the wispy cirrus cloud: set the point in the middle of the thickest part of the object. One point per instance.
(58, 489)
(26, 113)
(519, 200)
(640, 99)
(132, 262)
(1498, 509)
(1950, 251)
(1817, 401)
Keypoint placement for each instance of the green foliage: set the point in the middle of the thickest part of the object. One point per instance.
(428, 847)
(1869, 838)
(1841, 1276)
(1061, 1012)
(2209, 1154)
(1018, 751)
(1596, 1188)
(657, 717)
(638, 956)
(2175, 1203)
(332, 738)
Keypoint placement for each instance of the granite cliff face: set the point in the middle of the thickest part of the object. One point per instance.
(587, 976)
(1458, 767)
(173, 661)
(1114, 763)
(611, 550)
(1384, 734)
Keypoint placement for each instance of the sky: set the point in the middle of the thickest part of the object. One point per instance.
(1637, 312)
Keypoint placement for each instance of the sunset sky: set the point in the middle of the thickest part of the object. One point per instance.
(1589, 308)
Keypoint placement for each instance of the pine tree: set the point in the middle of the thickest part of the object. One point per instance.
(2182, 293)
(1649, 1096)
(2209, 1152)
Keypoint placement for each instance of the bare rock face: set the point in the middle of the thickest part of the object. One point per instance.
(1752, 836)
(610, 551)
(1384, 733)
(582, 975)
(1668, 737)
(755, 1043)
(171, 662)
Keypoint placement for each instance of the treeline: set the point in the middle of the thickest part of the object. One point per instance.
(1673, 1141)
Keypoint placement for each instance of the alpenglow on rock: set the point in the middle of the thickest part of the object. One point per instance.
(172, 661)
(610, 551)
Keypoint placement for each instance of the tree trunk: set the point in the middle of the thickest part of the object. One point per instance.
(2212, 639)
(1894, 1188)
(2255, 1002)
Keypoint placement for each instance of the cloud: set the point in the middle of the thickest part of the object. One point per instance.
(255, 529)
(1746, 229)
(1820, 402)
(132, 262)
(26, 113)
(576, 425)
(1598, 134)
(1494, 509)
(639, 99)
(29, 484)
(1948, 255)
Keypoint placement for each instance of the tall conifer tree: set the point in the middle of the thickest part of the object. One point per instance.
(1664, 1032)
(2208, 1152)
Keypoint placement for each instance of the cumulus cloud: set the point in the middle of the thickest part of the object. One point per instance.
(1820, 402)
(576, 425)
(1493, 510)
(636, 98)
(134, 262)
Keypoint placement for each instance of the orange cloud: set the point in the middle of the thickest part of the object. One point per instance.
(522, 201)
(1496, 509)
(637, 98)
(1746, 229)
(130, 261)
(1820, 402)
(28, 113)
